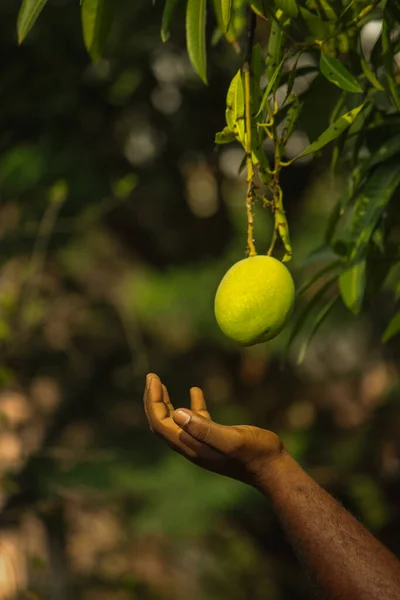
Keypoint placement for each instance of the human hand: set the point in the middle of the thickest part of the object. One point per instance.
(242, 452)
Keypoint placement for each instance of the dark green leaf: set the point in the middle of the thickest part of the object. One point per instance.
(370, 75)
(95, 25)
(370, 205)
(317, 322)
(388, 59)
(28, 13)
(333, 132)
(289, 7)
(196, 36)
(386, 151)
(392, 329)
(169, 9)
(316, 276)
(270, 85)
(337, 73)
(352, 286)
(308, 308)
(257, 6)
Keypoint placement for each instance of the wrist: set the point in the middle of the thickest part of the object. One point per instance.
(276, 472)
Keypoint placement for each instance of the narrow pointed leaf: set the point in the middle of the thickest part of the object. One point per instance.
(226, 12)
(390, 148)
(27, 16)
(352, 286)
(196, 36)
(289, 7)
(316, 276)
(270, 85)
(235, 107)
(337, 73)
(95, 24)
(258, 7)
(388, 59)
(333, 131)
(317, 322)
(169, 9)
(371, 204)
(307, 310)
(370, 75)
(392, 329)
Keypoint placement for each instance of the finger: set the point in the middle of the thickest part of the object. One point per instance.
(221, 438)
(167, 401)
(158, 407)
(198, 402)
(156, 410)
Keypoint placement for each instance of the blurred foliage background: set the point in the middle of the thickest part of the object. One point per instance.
(118, 217)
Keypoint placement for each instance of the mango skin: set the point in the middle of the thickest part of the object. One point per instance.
(254, 300)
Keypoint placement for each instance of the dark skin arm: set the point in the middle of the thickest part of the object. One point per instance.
(342, 559)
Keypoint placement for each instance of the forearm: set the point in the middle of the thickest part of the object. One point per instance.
(343, 560)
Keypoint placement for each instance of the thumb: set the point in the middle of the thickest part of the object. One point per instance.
(221, 438)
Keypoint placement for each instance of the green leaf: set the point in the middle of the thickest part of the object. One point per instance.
(333, 132)
(392, 329)
(95, 24)
(196, 36)
(370, 75)
(257, 6)
(226, 12)
(28, 13)
(316, 276)
(337, 73)
(169, 9)
(270, 85)
(226, 136)
(308, 308)
(317, 322)
(371, 204)
(289, 7)
(235, 107)
(352, 286)
(388, 60)
(386, 151)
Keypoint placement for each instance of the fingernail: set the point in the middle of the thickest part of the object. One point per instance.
(148, 380)
(182, 418)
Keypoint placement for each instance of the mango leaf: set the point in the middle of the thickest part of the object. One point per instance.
(328, 10)
(226, 12)
(270, 85)
(371, 204)
(169, 9)
(196, 36)
(386, 151)
(95, 24)
(392, 329)
(317, 322)
(289, 7)
(230, 34)
(28, 13)
(388, 59)
(257, 6)
(337, 73)
(370, 75)
(225, 136)
(352, 286)
(316, 276)
(235, 107)
(333, 132)
(307, 310)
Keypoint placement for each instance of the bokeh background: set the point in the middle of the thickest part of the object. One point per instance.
(118, 217)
